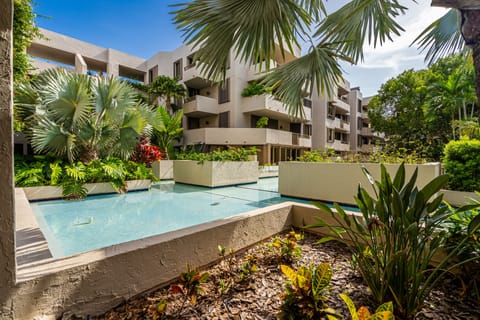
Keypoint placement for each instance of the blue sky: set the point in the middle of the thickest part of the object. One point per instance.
(144, 27)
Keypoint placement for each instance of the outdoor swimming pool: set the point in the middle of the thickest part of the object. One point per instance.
(72, 227)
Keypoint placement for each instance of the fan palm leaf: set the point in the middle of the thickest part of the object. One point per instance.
(442, 38)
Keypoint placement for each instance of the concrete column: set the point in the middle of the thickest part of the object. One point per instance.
(7, 191)
(112, 69)
(80, 65)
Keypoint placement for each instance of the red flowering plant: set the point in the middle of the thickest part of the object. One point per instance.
(146, 153)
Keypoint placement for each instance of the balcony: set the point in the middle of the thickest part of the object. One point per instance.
(193, 78)
(343, 105)
(338, 145)
(200, 106)
(266, 105)
(245, 136)
(338, 125)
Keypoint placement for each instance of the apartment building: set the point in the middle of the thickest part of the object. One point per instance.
(219, 116)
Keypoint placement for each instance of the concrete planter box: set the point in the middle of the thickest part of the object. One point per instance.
(54, 192)
(338, 182)
(163, 169)
(215, 173)
(459, 198)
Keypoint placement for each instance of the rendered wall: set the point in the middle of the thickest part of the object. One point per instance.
(338, 182)
(7, 220)
(163, 169)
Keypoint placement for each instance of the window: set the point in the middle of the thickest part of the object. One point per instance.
(359, 105)
(338, 136)
(359, 140)
(223, 121)
(307, 129)
(307, 103)
(330, 135)
(360, 124)
(273, 124)
(150, 76)
(193, 123)
(331, 111)
(296, 127)
(224, 92)
(177, 69)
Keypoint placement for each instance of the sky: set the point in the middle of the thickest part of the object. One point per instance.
(144, 27)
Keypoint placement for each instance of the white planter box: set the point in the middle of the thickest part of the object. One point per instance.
(338, 182)
(163, 169)
(54, 192)
(459, 198)
(215, 173)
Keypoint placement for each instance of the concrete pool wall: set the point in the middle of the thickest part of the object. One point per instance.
(93, 282)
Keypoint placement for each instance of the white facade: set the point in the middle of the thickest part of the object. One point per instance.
(218, 116)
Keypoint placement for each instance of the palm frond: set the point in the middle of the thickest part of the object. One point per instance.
(442, 38)
(317, 71)
(359, 22)
(255, 30)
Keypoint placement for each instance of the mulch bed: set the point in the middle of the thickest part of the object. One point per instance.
(258, 295)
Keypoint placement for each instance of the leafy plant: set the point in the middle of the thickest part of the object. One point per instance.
(168, 130)
(190, 284)
(255, 89)
(249, 266)
(306, 293)
(231, 154)
(462, 164)
(317, 155)
(383, 312)
(286, 247)
(146, 153)
(262, 122)
(396, 236)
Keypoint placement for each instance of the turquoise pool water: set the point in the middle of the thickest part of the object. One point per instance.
(72, 227)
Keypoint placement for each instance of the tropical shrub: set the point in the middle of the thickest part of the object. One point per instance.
(72, 176)
(262, 122)
(168, 131)
(286, 248)
(306, 293)
(317, 156)
(255, 89)
(190, 284)
(231, 154)
(385, 311)
(462, 164)
(146, 153)
(396, 236)
(80, 118)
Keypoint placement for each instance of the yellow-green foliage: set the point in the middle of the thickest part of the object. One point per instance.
(306, 293)
(384, 312)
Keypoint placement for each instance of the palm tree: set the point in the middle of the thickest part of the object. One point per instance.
(258, 30)
(169, 131)
(168, 88)
(78, 117)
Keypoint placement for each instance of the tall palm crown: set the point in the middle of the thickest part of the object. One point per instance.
(78, 117)
(168, 88)
(253, 29)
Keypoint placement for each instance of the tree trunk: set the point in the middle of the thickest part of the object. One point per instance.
(476, 63)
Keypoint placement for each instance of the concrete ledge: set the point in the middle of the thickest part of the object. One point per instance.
(93, 282)
(55, 192)
(338, 182)
(459, 198)
(215, 173)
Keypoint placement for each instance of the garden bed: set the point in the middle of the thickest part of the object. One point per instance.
(258, 296)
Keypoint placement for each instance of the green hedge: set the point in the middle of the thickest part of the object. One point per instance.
(462, 165)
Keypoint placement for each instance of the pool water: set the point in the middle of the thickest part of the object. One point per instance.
(72, 227)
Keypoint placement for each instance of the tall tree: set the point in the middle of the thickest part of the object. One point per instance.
(261, 30)
(167, 88)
